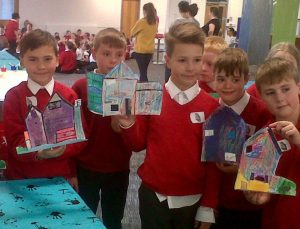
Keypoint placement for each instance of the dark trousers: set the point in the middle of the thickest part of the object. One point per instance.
(113, 188)
(157, 215)
(237, 219)
(143, 61)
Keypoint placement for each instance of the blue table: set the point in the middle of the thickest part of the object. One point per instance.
(44, 204)
(6, 59)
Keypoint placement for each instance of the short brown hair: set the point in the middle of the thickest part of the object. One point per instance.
(275, 70)
(285, 47)
(230, 60)
(183, 33)
(215, 44)
(111, 37)
(36, 39)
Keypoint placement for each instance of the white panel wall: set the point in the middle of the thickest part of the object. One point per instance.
(93, 15)
(234, 11)
(62, 15)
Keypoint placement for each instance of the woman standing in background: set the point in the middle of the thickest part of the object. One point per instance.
(144, 32)
(212, 27)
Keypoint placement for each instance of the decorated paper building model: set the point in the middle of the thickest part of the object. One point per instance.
(224, 135)
(148, 98)
(59, 124)
(258, 164)
(119, 93)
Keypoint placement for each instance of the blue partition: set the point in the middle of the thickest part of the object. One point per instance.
(255, 29)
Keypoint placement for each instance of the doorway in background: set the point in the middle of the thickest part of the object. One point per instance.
(129, 15)
(222, 15)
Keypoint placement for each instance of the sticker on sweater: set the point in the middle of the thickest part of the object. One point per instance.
(284, 145)
(197, 117)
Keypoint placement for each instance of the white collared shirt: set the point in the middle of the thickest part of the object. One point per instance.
(182, 97)
(204, 214)
(35, 87)
(240, 105)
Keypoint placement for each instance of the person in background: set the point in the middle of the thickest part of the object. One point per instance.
(39, 56)
(212, 47)
(2, 30)
(177, 189)
(277, 81)
(185, 13)
(12, 32)
(231, 73)
(144, 32)
(67, 59)
(4, 45)
(283, 50)
(23, 30)
(103, 166)
(213, 26)
(193, 12)
(231, 37)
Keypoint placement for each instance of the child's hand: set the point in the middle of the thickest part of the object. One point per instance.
(257, 198)
(51, 153)
(228, 168)
(115, 125)
(126, 121)
(287, 130)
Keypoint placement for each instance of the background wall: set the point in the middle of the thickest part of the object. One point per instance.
(93, 15)
(62, 15)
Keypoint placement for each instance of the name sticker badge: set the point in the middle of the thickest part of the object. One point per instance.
(230, 157)
(197, 117)
(284, 145)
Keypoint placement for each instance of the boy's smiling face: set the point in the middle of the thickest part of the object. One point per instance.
(185, 65)
(107, 57)
(40, 64)
(230, 87)
(282, 99)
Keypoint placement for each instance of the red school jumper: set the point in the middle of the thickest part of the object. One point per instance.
(173, 145)
(67, 61)
(15, 111)
(257, 115)
(283, 211)
(105, 151)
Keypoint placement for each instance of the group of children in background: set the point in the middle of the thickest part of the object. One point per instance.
(177, 189)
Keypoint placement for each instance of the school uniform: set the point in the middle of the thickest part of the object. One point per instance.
(282, 211)
(67, 62)
(174, 180)
(15, 112)
(234, 210)
(103, 164)
(206, 88)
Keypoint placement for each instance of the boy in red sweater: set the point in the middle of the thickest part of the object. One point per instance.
(231, 73)
(67, 59)
(212, 47)
(175, 183)
(104, 163)
(38, 54)
(277, 81)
